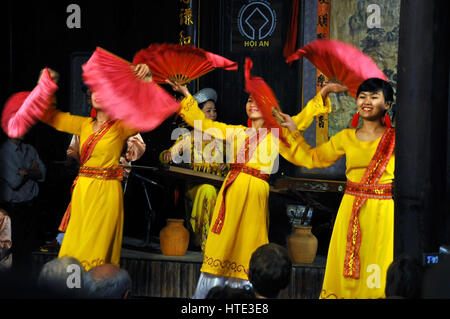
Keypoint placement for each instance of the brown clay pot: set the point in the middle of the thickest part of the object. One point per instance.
(302, 245)
(174, 238)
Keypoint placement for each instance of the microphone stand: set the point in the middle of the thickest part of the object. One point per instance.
(151, 212)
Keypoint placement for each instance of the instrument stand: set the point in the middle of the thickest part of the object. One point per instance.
(150, 213)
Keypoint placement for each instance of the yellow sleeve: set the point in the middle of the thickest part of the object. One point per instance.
(64, 121)
(302, 154)
(315, 107)
(195, 117)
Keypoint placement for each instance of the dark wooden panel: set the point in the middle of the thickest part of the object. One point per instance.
(310, 185)
(421, 157)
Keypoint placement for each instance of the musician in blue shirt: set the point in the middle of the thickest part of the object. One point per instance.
(20, 171)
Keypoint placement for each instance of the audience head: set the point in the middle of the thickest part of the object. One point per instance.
(270, 270)
(404, 278)
(227, 292)
(107, 282)
(62, 277)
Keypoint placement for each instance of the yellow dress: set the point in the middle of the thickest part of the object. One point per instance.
(245, 226)
(94, 232)
(203, 199)
(376, 216)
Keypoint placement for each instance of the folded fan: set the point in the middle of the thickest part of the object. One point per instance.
(24, 109)
(140, 104)
(265, 99)
(340, 60)
(180, 63)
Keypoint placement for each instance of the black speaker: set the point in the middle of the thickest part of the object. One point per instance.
(78, 98)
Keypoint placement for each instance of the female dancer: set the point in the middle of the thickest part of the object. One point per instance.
(361, 246)
(239, 222)
(208, 158)
(94, 232)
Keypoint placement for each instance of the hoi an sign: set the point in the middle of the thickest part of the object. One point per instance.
(256, 25)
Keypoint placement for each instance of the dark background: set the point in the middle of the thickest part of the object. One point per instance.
(35, 35)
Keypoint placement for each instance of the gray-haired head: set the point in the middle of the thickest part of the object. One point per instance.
(62, 277)
(107, 282)
(204, 95)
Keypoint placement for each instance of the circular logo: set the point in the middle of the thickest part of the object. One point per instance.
(256, 20)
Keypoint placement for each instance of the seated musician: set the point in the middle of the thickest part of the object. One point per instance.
(203, 196)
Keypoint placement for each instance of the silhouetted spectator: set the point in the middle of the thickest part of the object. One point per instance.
(404, 278)
(107, 282)
(270, 270)
(227, 292)
(62, 278)
(21, 170)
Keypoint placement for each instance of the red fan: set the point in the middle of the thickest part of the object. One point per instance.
(180, 63)
(340, 60)
(24, 109)
(264, 97)
(140, 104)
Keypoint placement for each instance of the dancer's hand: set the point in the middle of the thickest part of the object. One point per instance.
(332, 88)
(53, 75)
(167, 156)
(288, 122)
(178, 88)
(143, 72)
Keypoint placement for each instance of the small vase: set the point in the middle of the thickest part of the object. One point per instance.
(174, 238)
(302, 245)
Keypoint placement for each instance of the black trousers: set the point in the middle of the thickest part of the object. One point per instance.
(23, 233)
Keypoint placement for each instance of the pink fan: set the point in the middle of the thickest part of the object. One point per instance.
(140, 104)
(24, 109)
(340, 60)
(180, 63)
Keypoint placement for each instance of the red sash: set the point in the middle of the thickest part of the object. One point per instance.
(85, 155)
(367, 188)
(245, 153)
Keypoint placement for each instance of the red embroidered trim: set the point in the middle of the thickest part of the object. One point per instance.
(380, 191)
(371, 176)
(229, 265)
(111, 173)
(92, 140)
